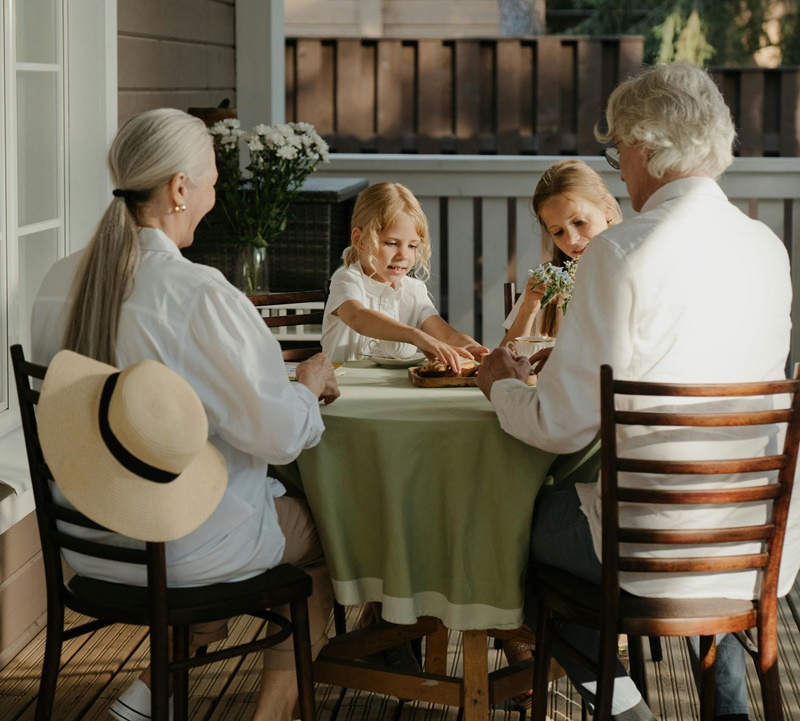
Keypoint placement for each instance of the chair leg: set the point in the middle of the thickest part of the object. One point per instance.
(708, 677)
(339, 618)
(656, 650)
(303, 660)
(52, 660)
(159, 672)
(637, 670)
(768, 671)
(180, 678)
(541, 665)
(605, 677)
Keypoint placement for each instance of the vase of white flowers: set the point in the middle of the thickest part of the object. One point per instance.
(256, 196)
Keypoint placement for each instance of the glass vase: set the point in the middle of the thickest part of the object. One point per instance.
(252, 274)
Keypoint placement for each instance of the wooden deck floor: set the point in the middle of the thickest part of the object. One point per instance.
(98, 666)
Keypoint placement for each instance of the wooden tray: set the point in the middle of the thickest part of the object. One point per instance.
(449, 381)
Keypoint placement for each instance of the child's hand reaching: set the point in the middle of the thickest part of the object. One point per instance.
(434, 348)
(476, 350)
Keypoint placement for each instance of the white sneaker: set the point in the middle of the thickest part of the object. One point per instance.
(134, 703)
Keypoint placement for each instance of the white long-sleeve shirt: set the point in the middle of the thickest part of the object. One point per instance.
(188, 317)
(691, 290)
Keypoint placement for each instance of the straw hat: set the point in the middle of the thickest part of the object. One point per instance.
(129, 449)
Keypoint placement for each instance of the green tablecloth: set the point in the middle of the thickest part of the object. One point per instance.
(422, 502)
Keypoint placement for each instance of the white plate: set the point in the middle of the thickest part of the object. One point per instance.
(398, 362)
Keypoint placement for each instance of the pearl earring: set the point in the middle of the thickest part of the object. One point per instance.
(180, 208)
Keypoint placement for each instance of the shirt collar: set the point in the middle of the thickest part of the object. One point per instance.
(157, 240)
(683, 186)
(376, 286)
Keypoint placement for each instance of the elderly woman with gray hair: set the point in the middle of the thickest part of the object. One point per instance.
(665, 296)
(131, 296)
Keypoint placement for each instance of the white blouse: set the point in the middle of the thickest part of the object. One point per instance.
(190, 318)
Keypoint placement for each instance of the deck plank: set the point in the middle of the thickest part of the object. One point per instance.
(97, 667)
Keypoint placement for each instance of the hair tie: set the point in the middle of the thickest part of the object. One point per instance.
(117, 193)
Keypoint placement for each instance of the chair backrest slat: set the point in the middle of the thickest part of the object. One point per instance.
(631, 445)
(734, 465)
(293, 349)
(703, 420)
(710, 564)
(692, 536)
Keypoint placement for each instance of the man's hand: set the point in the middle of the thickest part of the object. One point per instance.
(316, 374)
(499, 364)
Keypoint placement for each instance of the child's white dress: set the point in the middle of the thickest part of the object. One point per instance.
(409, 303)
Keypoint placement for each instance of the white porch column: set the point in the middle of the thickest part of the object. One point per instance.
(91, 43)
(260, 91)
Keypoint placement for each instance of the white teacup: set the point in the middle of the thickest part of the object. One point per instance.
(529, 344)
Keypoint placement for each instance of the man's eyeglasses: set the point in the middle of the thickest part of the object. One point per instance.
(612, 156)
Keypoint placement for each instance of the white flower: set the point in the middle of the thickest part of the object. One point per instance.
(262, 129)
(255, 144)
(219, 128)
(231, 122)
(285, 130)
(288, 152)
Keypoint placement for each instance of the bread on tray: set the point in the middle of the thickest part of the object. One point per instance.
(440, 369)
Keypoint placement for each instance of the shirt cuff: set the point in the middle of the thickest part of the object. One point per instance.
(510, 398)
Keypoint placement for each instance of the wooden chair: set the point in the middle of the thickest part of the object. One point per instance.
(510, 296)
(293, 350)
(612, 611)
(154, 605)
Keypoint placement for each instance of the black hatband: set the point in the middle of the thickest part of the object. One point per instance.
(125, 457)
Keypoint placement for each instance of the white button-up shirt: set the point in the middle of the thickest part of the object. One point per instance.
(188, 317)
(690, 290)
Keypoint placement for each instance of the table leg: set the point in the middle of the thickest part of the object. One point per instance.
(436, 651)
(476, 676)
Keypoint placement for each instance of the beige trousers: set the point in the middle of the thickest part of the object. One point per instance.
(302, 549)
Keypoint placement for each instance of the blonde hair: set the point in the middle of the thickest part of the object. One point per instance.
(677, 113)
(147, 152)
(574, 180)
(376, 209)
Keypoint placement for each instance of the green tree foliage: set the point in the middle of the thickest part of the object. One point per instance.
(714, 32)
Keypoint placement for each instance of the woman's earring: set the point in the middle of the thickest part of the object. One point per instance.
(180, 208)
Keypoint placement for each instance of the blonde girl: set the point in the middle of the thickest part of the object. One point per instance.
(571, 204)
(376, 307)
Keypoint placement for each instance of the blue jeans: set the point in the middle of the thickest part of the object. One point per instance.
(560, 537)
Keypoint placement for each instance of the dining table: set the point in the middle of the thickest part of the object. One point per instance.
(424, 504)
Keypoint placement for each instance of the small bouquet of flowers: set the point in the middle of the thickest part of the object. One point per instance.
(559, 281)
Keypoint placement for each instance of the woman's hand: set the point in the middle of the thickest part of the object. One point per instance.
(538, 359)
(534, 292)
(316, 374)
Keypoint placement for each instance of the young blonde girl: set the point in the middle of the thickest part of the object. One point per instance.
(375, 306)
(572, 204)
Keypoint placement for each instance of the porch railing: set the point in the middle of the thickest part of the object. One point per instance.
(483, 233)
(514, 96)
(537, 95)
